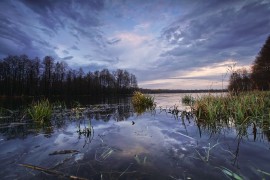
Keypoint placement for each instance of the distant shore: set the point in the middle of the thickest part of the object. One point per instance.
(157, 91)
(147, 91)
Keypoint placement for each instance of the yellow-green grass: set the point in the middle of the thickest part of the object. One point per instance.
(188, 100)
(245, 107)
(142, 102)
(40, 111)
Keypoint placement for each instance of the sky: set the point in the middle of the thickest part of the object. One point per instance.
(167, 44)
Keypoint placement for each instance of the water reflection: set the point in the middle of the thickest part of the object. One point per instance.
(17, 124)
(112, 141)
(266, 130)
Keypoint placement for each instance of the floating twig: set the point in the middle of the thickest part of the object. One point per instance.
(64, 152)
(52, 172)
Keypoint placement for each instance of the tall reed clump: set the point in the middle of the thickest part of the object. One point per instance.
(40, 111)
(142, 102)
(188, 100)
(245, 107)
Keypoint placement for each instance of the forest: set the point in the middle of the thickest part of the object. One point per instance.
(20, 75)
(259, 76)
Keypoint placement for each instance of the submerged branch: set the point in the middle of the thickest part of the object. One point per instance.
(52, 172)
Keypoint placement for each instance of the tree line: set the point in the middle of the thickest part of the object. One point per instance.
(159, 91)
(20, 75)
(258, 78)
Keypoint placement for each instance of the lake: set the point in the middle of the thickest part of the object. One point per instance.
(106, 139)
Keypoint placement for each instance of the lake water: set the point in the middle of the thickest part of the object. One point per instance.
(125, 145)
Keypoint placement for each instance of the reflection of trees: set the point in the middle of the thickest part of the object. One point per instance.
(117, 112)
(22, 130)
(244, 132)
(246, 129)
(117, 108)
(12, 130)
(142, 109)
(20, 127)
(14, 126)
(266, 130)
(212, 128)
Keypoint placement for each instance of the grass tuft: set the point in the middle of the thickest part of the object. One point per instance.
(40, 111)
(244, 108)
(188, 100)
(142, 102)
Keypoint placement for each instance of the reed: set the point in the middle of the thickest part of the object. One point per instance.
(40, 111)
(245, 107)
(188, 100)
(142, 102)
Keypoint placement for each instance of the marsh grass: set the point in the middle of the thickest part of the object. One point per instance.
(142, 102)
(188, 100)
(244, 108)
(207, 150)
(40, 111)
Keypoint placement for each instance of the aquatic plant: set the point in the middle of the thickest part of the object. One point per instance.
(244, 108)
(207, 150)
(142, 102)
(188, 100)
(77, 110)
(40, 111)
(230, 174)
(140, 161)
(86, 131)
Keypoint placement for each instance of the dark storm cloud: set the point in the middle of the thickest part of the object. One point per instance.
(213, 30)
(44, 43)
(11, 31)
(46, 11)
(65, 52)
(54, 14)
(74, 47)
(93, 35)
(67, 58)
(46, 31)
(14, 41)
(26, 25)
(113, 41)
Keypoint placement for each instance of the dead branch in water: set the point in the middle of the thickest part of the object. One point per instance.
(52, 172)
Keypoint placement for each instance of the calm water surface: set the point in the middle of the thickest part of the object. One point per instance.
(126, 145)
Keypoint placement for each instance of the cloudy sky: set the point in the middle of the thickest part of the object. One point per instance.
(168, 44)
